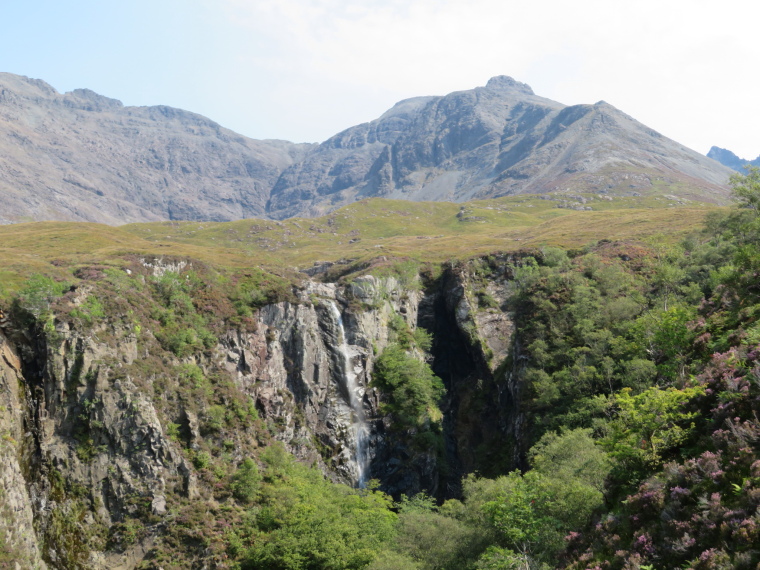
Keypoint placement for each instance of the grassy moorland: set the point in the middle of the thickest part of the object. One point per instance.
(433, 231)
(422, 231)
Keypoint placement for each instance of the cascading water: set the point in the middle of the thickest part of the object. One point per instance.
(359, 425)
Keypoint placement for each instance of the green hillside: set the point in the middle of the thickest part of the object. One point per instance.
(422, 231)
(597, 372)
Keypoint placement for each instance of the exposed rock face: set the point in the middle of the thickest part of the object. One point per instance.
(729, 159)
(84, 157)
(87, 442)
(81, 156)
(17, 531)
(292, 366)
(492, 141)
(93, 443)
(477, 354)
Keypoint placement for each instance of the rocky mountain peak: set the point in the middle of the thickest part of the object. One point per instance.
(504, 82)
(25, 85)
(89, 100)
(728, 158)
(487, 142)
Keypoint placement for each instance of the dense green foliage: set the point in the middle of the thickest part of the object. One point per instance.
(412, 390)
(642, 370)
(304, 522)
(695, 489)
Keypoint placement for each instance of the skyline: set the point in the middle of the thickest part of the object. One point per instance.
(304, 70)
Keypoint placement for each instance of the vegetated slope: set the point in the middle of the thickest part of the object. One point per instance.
(492, 141)
(82, 156)
(429, 231)
(355, 234)
(149, 405)
(728, 158)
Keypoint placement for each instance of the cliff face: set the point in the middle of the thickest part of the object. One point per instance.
(295, 366)
(18, 501)
(101, 429)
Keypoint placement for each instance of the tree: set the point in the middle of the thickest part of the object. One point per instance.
(523, 515)
(745, 188)
(571, 455)
(411, 389)
(245, 482)
(649, 425)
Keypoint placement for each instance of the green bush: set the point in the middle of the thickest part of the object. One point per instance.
(411, 390)
(38, 293)
(89, 311)
(202, 460)
(245, 482)
(214, 419)
(305, 522)
(648, 426)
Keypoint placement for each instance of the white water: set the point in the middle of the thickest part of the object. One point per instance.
(358, 422)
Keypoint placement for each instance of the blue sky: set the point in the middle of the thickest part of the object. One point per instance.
(303, 70)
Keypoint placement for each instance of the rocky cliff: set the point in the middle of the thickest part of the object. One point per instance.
(110, 432)
(18, 501)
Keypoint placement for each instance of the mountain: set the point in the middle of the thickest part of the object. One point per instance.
(81, 156)
(728, 158)
(492, 141)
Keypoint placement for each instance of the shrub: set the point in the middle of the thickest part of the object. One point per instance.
(202, 460)
(245, 482)
(412, 390)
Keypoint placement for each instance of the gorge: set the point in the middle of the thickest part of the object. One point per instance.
(161, 411)
(108, 403)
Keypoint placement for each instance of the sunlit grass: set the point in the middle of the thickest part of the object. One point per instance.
(424, 231)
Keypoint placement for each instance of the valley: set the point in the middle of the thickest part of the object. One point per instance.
(486, 331)
(245, 394)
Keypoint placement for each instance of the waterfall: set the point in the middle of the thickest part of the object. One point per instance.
(359, 426)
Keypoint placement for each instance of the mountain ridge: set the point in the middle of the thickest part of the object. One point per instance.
(731, 160)
(84, 156)
(493, 141)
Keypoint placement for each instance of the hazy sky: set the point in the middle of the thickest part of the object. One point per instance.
(303, 70)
